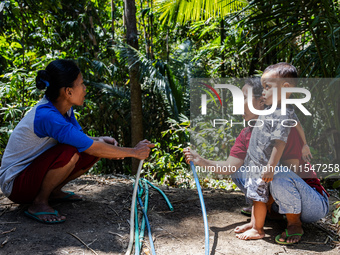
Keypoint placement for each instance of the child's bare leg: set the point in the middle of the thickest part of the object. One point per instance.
(256, 232)
(249, 225)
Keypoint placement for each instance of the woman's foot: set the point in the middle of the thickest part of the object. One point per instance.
(243, 228)
(294, 234)
(246, 211)
(251, 234)
(36, 210)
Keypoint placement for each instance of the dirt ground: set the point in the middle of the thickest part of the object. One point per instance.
(101, 222)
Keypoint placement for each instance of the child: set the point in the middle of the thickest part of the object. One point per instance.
(267, 144)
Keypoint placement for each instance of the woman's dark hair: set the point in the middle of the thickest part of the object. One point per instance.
(255, 83)
(58, 74)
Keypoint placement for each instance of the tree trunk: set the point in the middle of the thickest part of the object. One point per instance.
(151, 31)
(337, 135)
(113, 59)
(135, 88)
(223, 36)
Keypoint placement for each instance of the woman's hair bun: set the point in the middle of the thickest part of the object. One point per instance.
(42, 80)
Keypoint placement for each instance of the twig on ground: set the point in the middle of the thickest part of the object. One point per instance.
(4, 242)
(83, 187)
(5, 210)
(326, 240)
(323, 229)
(9, 231)
(113, 210)
(10, 222)
(92, 242)
(334, 241)
(82, 242)
(119, 239)
(113, 233)
(165, 212)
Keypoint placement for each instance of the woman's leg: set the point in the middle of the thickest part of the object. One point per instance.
(52, 179)
(239, 178)
(298, 201)
(45, 174)
(84, 164)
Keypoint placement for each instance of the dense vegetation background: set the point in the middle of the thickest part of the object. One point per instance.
(140, 56)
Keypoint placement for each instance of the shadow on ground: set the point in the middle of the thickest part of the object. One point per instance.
(101, 222)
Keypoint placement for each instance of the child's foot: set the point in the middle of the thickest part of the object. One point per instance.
(243, 228)
(251, 234)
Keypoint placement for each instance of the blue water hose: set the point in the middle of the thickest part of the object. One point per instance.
(162, 193)
(146, 202)
(204, 212)
(139, 235)
(153, 252)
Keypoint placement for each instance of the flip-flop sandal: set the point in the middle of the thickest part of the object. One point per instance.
(67, 198)
(35, 216)
(246, 212)
(284, 242)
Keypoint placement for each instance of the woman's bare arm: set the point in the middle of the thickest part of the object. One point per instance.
(104, 150)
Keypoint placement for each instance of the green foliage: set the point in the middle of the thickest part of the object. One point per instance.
(181, 11)
(176, 44)
(336, 214)
(166, 163)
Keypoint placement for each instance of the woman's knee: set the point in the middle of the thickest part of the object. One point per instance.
(280, 185)
(73, 161)
(67, 153)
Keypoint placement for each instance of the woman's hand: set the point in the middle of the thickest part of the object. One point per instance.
(306, 154)
(191, 155)
(108, 139)
(142, 149)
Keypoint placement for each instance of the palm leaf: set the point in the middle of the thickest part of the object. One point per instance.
(157, 72)
(181, 11)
